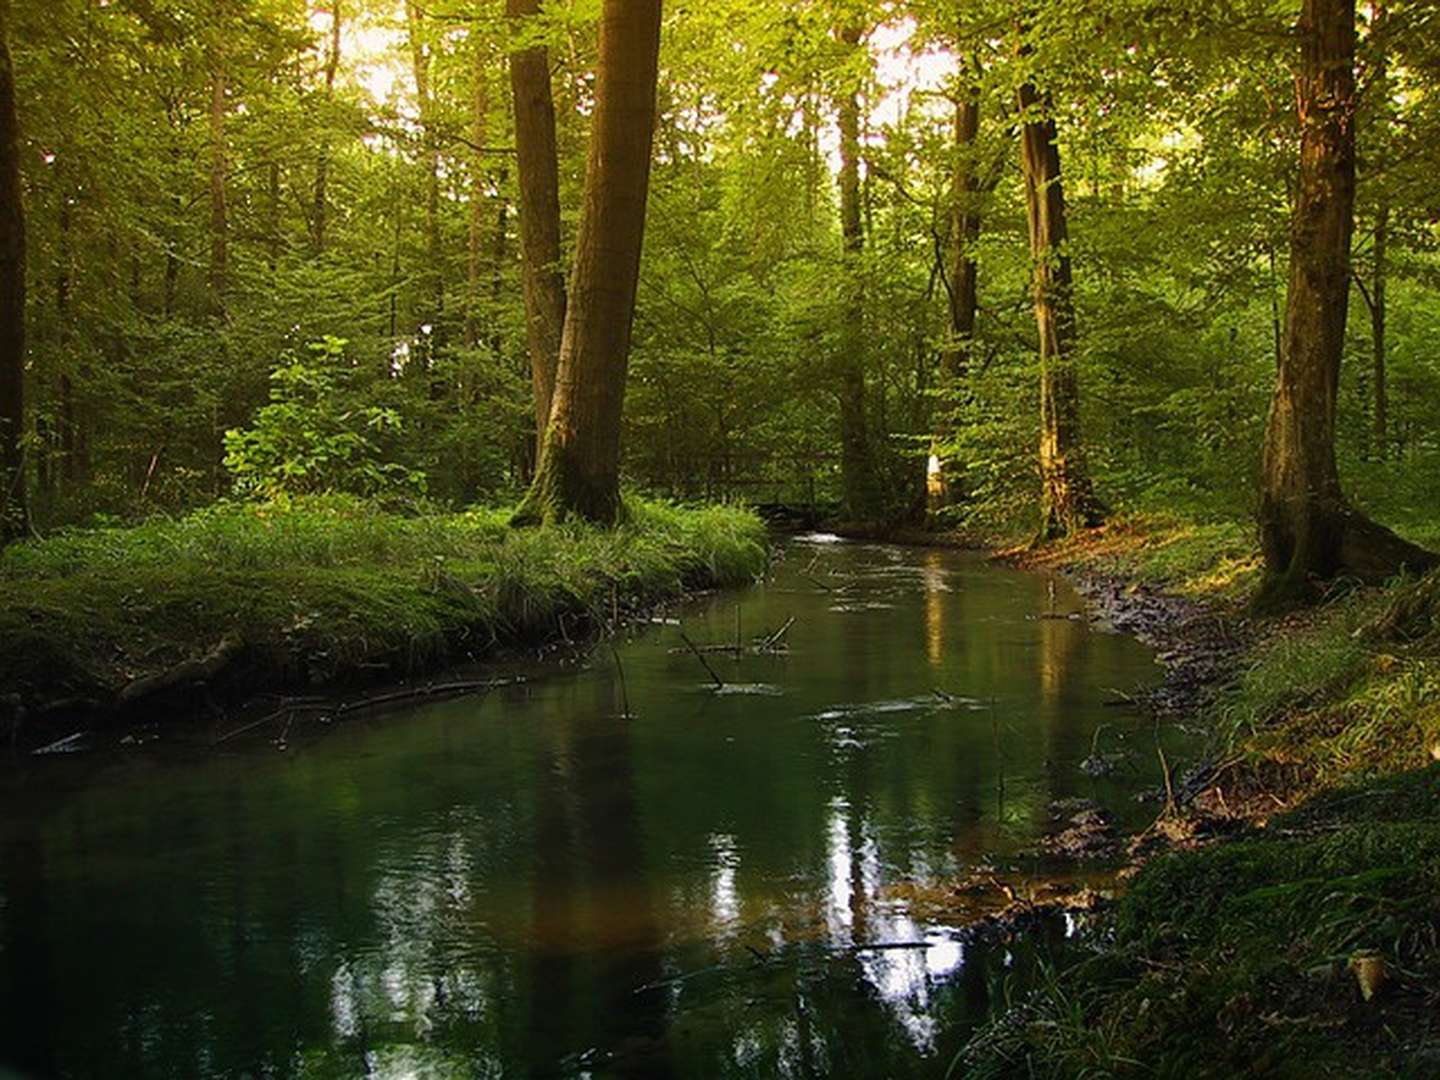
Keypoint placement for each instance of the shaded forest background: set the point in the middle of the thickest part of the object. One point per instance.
(274, 248)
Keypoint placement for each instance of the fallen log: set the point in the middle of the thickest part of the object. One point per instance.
(187, 672)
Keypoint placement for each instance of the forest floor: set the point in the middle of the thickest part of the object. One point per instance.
(237, 599)
(1282, 916)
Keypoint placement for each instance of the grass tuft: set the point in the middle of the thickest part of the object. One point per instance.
(321, 589)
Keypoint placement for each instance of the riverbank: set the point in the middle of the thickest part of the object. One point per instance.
(1296, 933)
(241, 598)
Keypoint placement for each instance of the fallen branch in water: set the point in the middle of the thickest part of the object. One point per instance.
(719, 682)
(880, 946)
(779, 635)
(817, 581)
(431, 690)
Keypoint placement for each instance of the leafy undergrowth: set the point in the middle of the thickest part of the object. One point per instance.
(322, 589)
(1244, 958)
(1211, 560)
(1248, 958)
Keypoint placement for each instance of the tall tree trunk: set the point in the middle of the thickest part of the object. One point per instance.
(1307, 529)
(318, 215)
(961, 284)
(542, 276)
(857, 461)
(219, 224)
(479, 111)
(579, 472)
(434, 274)
(1067, 500)
(13, 521)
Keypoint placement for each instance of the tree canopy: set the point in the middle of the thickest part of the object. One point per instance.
(280, 244)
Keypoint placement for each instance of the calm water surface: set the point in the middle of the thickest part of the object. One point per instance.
(529, 884)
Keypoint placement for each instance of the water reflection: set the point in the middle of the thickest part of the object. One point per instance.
(934, 579)
(533, 884)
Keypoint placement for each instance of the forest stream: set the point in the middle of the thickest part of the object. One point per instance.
(733, 880)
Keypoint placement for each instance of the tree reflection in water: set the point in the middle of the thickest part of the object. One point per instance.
(531, 884)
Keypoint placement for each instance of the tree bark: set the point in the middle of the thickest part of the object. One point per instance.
(318, 214)
(1067, 501)
(857, 460)
(13, 521)
(579, 471)
(1308, 530)
(542, 276)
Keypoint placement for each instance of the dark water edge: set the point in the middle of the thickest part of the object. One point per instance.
(530, 882)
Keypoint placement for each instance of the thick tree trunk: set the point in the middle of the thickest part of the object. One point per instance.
(13, 521)
(579, 471)
(961, 281)
(857, 460)
(1067, 501)
(1307, 529)
(475, 266)
(543, 279)
(219, 219)
(318, 216)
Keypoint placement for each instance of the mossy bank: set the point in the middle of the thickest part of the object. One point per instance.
(1306, 943)
(324, 591)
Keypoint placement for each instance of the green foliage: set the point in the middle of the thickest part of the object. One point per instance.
(1235, 959)
(320, 588)
(316, 436)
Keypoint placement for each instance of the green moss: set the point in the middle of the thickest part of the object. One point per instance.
(1234, 959)
(323, 588)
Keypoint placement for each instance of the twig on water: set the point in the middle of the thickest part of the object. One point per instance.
(719, 682)
(624, 694)
(300, 705)
(779, 635)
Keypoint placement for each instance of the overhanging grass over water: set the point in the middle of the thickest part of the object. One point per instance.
(1245, 958)
(322, 588)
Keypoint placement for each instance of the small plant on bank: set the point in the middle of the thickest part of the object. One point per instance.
(317, 435)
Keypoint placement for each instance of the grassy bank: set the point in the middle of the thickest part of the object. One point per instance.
(1309, 946)
(328, 589)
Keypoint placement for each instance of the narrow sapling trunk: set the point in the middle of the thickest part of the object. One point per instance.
(543, 279)
(1068, 501)
(219, 215)
(425, 100)
(863, 499)
(961, 282)
(320, 211)
(12, 302)
(1307, 529)
(579, 471)
(1381, 417)
(479, 111)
